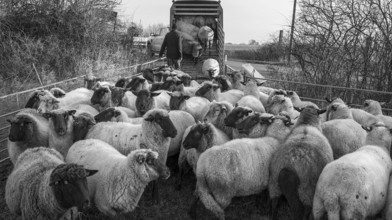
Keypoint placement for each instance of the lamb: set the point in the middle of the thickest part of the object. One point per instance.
(121, 180)
(147, 100)
(105, 98)
(374, 108)
(226, 171)
(61, 133)
(210, 68)
(355, 186)
(199, 138)
(57, 92)
(212, 92)
(297, 164)
(72, 98)
(116, 114)
(196, 106)
(42, 186)
(216, 115)
(28, 130)
(343, 133)
(297, 102)
(81, 125)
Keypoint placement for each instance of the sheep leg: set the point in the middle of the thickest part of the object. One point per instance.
(155, 192)
(274, 208)
(288, 182)
(192, 210)
(180, 175)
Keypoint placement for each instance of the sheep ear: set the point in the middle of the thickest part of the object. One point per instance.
(149, 118)
(134, 92)
(298, 109)
(368, 129)
(116, 113)
(71, 112)
(91, 122)
(90, 172)
(153, 94)
(140, 159)
(224, 109)
(215, 87)
(236, 105)
(248, 112)
(9, 121)
(185, 97)
(170, 94)
(328, 100)
(260, 84)
(142, 80)
(289, 92)
(321, 111)
(243, 83)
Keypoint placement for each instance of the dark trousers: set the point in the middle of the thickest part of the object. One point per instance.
(175, 63)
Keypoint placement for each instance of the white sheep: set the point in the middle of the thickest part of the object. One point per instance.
(252, 102)
(196, 139)
(74, 97)
(196, 106)
(343, 133)
(210, 68)
(206, 36)
(212, 92)
(61, 133)
(42, 186)
(297, 164)
(281, 103)
(297, 102)
(388, 204)
(364, 118)
(217, 114)
(374, 108)
(181, 120)
(121, 180)
(239, 167)
(28, 130)
(355, 186)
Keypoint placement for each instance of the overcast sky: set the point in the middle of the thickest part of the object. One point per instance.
(243, 19)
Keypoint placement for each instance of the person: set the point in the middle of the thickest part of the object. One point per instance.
(173, 43)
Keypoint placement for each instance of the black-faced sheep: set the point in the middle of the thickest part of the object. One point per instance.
(121, 180)
(239, 167)
(355, 186)
(138, 83)
(297, 164)
(223, 82)
(116, 114)
(61, 133)
(28, 130)
(81, 125)
(181, 121)
(212, 92)
(57, 92)
(42, 186)
(196, 106)
(147, 100)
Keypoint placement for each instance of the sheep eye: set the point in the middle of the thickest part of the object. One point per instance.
(149, 161)
(366, 104)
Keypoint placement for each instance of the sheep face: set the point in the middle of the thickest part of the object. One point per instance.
(82, 123)
(195, 135)
(136, 84)
(145, 100)
(309, 116)
(117, 95)
(237, 76)
(222, 82)
(33, 101)
(148, 74)
(186, 80)
(69, 185)
(120, 83)
(48, 103)
(106, 115)
(176, 100)
(216, 112)
(207, 88)
(148, 166)
(158, 76)
(372, 106)
(236, 115)
(60, 119)
(280, 103)
(21, 129)
(101, 96)
(161, 117)
(380, 135)
(90, 82)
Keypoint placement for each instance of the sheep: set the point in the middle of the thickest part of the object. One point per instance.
(42, 186)
(297, 102)
(239, 167)
(364, 118)
(297, 164)
(237, 78)
(28, 130)
(107, 97)
(343, 133)
(119, 184)
(196, 106)
(57, 92)
(216, 115)
(355, 186)
(252, 102)
(205, 36)
(184, 77)
(90, 81)
(223, 82)
(281, 103)
(147, 100)
(116, 114)
(138, 83)
(81, 125)
(171, 84)
(34, 98)
(121, 83)
(210, 68)
(388, 204)
(181, 120)
(61, 133)
(212, 92)
(374, 108)
(74, 97)
(200, 137)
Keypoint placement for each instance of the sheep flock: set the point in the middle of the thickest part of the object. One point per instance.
(103, 147)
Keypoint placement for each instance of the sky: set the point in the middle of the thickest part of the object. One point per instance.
(243, 20)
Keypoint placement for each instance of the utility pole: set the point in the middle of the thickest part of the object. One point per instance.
(292, 29)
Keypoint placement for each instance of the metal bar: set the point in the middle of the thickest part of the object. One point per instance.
(5, 149)
(10, 113)
(4, 140)
(3, 160)
(4, 128)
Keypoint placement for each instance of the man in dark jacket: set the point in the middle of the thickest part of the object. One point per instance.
(173, 42)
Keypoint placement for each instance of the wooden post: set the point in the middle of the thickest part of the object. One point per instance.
(39, 78)
(280, 37)
(292, 29)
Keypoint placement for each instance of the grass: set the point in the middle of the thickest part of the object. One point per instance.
(174, 203)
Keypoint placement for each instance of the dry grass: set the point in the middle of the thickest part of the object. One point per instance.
(174, 203)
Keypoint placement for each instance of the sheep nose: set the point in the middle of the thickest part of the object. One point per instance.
(40, 111)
